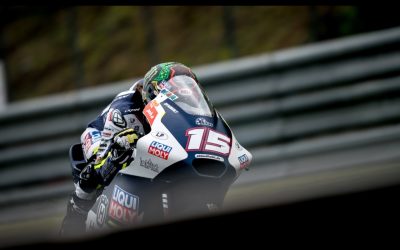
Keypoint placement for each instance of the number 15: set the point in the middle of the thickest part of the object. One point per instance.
(206, 139)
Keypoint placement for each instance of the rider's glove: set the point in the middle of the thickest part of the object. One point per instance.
(121, 150)
(125, 139)
(120, 155)
(89, 179)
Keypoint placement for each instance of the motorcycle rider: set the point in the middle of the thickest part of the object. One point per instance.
(108, 140)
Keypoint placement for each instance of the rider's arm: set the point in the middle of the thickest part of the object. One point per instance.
(115, 152)
(113, 124)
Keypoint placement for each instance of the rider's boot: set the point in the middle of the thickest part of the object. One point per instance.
(74, 222)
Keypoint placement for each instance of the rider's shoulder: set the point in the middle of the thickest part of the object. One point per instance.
(124, 94)
(123, 98)
(127, 104)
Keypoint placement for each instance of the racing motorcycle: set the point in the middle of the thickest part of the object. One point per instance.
(183, 167)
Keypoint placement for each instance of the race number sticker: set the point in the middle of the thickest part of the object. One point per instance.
(208, 140)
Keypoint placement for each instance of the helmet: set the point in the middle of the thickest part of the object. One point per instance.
(161, 73)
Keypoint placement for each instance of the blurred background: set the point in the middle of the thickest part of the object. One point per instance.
(48, 50)
(311, 91)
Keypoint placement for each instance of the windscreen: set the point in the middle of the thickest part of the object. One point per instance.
(188, 95)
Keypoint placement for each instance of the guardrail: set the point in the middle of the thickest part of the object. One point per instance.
(312, 101)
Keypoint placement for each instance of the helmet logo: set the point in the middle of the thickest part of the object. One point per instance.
(150, 74)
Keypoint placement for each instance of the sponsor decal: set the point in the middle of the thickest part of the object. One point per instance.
(96, 135)
(208, 156)
(169, 94)
(106, 134)
(185, 92)
(149, 165)
(88, 142)
(244, 161)
(150, 112)
(113, 130)
(159, 135)
(203, 122)
(132, 110)
(171, 108)
(159, 150)
(102, 209)
(117, 118)
(123, 206)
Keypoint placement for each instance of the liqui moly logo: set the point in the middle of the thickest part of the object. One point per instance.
(159, 150)
(123, 206)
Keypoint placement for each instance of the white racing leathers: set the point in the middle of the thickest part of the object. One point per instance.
(125, 111)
